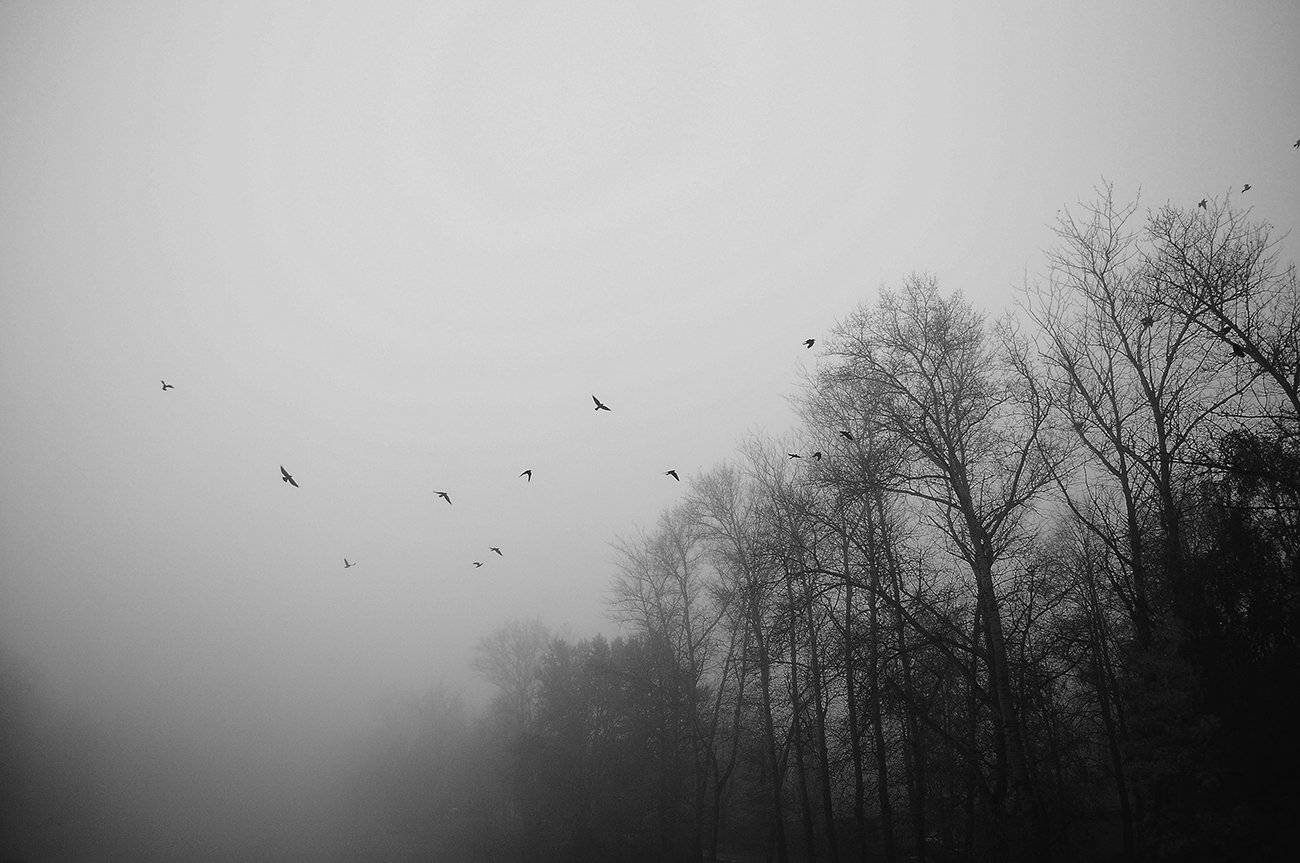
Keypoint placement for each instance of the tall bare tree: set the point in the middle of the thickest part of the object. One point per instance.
(973, 425)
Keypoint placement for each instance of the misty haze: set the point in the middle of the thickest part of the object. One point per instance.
(673, 431)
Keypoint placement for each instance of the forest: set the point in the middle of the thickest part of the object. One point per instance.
(1018, 587)
(1022, 588)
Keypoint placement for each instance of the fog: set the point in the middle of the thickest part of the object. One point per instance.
(397, 252)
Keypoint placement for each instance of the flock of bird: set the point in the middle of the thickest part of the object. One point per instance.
(527, 474)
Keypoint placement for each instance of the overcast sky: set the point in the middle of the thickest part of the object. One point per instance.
(398, 249)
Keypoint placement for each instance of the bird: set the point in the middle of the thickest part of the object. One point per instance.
(846, 435)
(167, 386)
(673, 474)
(287, 478)
(477, 564)
(497, 550)
(1245, 188)
(346, 565)
(793, 455)
(1202, 203)
(1237, 350)
(600, 406)
(528, 473)
(1148, 321)
(1296, 145)
(808, 343)
(817, 455)
(443, 495)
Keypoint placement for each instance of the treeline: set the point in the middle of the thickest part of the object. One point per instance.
(1024, 589)
(1029, 590)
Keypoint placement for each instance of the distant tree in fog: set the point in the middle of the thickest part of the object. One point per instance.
(510, 659)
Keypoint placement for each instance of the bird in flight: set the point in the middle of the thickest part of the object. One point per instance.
(443, 495)
(600, 406)
(846, 435)
(673, 474)
(167, 386)
(808, 343)
(347, 565)
(793, 455)
(1245, 188)
(477, 564)
(1296, 145)
(497, 550)
(528, 473)
(1202, 203)
(287, 478)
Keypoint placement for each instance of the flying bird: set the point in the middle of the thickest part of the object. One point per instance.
(1202, 203)
(1245, 188)
(528, 473)
(497, 550)
(600, 406)
(793, 455)
(346, 565)
(846, 435)
(673, 474)
(477, 564)
(443, 495)
(167, 386)
(1296, 145)
(287, 478)
(808, 343)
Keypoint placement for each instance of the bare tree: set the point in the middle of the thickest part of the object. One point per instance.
(1142, 385)
(510, 659)
(973, 425)
(729, 512)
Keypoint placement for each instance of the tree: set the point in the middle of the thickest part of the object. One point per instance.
(510, 658)
(973, 424)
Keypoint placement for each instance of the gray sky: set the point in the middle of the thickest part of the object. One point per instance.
(397, 250)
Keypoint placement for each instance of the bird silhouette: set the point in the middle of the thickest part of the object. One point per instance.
(846, 435)
(443, 495)
(817, 455)
(287, 478)
(600, 406)
(1202, 203)
(1245, 188)
(673, 474)
(1296, 144)
(528, 473)
(167, 386)
(808, 343)
(497, 550)
(793, 455)
(1237, 350)
(1148, 321)
(477, 564)
(347, 565)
